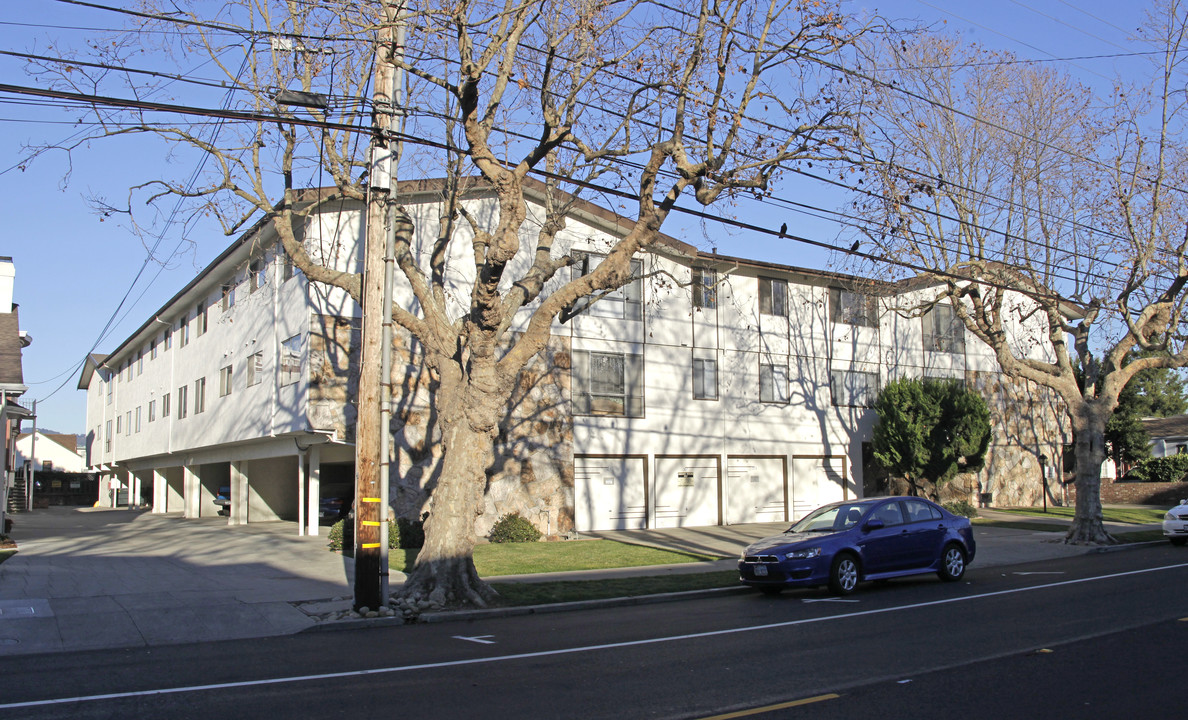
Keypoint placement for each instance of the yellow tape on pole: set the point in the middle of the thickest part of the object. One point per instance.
(369, 523)
(367, 546)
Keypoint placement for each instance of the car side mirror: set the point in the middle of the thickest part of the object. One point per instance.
(873, 524)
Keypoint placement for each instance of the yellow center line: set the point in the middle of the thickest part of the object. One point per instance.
(772, 708)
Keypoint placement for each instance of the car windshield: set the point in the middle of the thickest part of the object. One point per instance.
(830, 518)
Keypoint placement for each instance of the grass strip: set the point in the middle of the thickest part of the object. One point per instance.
(1135, 516)
(512, 594)
(5, 554)
(495, 559)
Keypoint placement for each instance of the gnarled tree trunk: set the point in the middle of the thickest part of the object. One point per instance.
(1087, 527)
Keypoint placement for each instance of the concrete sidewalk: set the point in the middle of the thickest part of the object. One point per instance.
(96, 578)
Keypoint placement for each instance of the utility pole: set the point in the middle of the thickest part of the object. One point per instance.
(369, 513)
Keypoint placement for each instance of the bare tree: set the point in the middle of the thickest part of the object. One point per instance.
(650, 102)
(1038, 205)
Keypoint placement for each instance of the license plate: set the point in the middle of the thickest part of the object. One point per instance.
(760, 571)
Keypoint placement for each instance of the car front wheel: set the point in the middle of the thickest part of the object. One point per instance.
(952, 563)
(843, 576)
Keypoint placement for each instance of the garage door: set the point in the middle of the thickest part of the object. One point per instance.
(815, 482)
(755, 490)
(609, 494)
(686, 492)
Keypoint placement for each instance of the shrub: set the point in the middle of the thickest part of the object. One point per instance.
(342, 536)
(513, 528)
(1172, 468)
(962, 507)
(412, 533)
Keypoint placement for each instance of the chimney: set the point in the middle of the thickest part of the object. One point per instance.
(7, 278)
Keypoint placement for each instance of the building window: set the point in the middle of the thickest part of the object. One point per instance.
(854, 389)
(225, 381)
(625, 303)
(199, 395)
(255, 368)
(256, 276)
(110, 385)
(153, 349)
(183, 331)
(773, 383)
(137, 418)
(152, 413)
(608, 384)
(128, 423)
(773, 296)
(165, 405)
(705, 289)
(107, 438)
(182, 406)
(289, 269)
(47, 465)
(119, 424)
(705, 379)
(851, 308)
(200, 319)
(227, 300)
(290, 361)
(943, 330)
(139, 363)
(168, 338)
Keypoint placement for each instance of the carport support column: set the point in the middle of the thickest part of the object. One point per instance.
(302, 508)
(160, 492)
(315, 489)
(239, 495)
(133, 489)
(191, 490)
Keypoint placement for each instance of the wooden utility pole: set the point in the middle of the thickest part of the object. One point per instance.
(369, 510)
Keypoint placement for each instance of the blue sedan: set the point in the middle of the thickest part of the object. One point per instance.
(843, 543)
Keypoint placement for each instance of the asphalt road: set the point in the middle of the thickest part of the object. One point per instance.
(910, 648)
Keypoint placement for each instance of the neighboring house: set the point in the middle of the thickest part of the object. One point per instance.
(741, 392)
(12, 382)
(51, 451)
(1169, 435)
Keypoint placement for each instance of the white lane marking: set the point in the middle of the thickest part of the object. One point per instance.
(573, 650)
(817, 600)
(477, 639)
(1038, 572)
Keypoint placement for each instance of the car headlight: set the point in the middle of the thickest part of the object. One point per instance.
(803, 554)
(1172, 517)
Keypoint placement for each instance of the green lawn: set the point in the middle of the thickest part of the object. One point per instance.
(494, 559)
(5, 554)
(555, 592)
(1138, 516)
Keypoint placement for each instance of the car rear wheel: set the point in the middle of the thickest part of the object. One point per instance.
(1178, 541)
(843, 575)
(952, 566)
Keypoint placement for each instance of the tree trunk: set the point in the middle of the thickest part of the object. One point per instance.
(444, 575)
(1087, 528)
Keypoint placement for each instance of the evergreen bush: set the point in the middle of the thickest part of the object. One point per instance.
(962, 507)
(513, 528)
(1172, 468)
(341, 537)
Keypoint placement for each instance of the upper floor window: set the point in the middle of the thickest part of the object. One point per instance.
(183, 331)
(705, 288)
(256, 276)
(607, 384)
(773, 384)
(227, 298)
(139, 362)
(153, 349)
(107, 438)
(182, 407)
(290, 360)
(705, 379)
(626, 302)
(165, 405)
(168, 342)
(200, 319)
(199, 395)
(773, 296)
(137, 418)
(854, 388)
(225, 381)
(152, 411)
(255, 368)
(943, 330)
(110, 385)
(851, 308)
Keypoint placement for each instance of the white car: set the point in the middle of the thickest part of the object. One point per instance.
(1175, 524)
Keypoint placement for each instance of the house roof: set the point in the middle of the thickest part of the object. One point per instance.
(70, 442)
(1165, 427)
(94, 360)
(10, 350)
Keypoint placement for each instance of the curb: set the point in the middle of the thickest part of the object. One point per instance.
(520, 610)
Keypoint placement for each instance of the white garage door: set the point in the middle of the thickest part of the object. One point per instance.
(815, 482)
(686, 492)
(609, 494)
(755, 490)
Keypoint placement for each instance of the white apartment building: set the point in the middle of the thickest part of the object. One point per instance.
(710, 390)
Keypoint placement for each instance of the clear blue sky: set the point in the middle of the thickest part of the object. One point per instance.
(73, 270)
